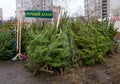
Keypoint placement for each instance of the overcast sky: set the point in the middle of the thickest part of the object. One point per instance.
(76, 7)
(9, 7)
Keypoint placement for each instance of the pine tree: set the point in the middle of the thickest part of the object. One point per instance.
(7, 44)
(49, 48)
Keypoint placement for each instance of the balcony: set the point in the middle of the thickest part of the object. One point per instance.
(104, 0)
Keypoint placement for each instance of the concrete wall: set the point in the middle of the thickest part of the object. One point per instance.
(1, 14)
(117, 25)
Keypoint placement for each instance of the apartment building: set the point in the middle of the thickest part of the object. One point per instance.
(33, 5)
(1, 14)
(101, 9)
(105, 8)
(96, 9)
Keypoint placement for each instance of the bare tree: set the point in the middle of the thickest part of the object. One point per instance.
(116, 12)
(92, 9)
(44, 5)
(64, 4)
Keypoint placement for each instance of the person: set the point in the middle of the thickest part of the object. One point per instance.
(24, 56)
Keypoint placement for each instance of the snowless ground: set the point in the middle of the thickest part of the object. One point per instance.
(109, 73)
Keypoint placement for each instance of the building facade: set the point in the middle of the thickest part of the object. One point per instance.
(115, 13)
(1, 14)
(33, 5)
(96, 9)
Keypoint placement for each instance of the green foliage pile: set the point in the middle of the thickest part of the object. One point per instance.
(73, 44)
(93, 41)
(7, 47)
(6, 27)
(48, 47)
